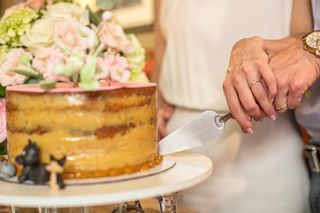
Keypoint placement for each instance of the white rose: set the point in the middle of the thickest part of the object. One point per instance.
(67, 10)
(41, 33)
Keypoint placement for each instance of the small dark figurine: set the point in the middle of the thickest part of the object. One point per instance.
(55, 167)
(33, 169)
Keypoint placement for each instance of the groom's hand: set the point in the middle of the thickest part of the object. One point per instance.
(295, 71)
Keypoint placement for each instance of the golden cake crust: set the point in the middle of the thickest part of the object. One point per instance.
(107, 132)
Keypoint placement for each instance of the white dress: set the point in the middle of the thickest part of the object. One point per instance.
(259, 173)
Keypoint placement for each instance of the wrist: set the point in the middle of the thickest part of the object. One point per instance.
(275, 46)
(315, 61)
(311, 45)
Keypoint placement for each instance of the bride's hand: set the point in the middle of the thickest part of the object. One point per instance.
(250, 85)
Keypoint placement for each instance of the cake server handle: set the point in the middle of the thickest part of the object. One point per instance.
(207, 127)
(225, 118)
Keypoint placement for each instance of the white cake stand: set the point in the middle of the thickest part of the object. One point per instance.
(189, 170)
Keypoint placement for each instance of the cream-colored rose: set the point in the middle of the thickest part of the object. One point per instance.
(112, 35)
(40, 35)
(12, 60)
(67, 10)
(70, 34)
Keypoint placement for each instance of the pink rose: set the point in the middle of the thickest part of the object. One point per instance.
(113, 36)
(73, 35)
(45, 62)
(35, 4)
(113, 66)
(3, 124)
(12, 60)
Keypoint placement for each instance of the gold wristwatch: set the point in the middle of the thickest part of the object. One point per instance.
(311, 42)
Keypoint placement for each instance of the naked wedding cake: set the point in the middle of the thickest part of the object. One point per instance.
(106, 132)
(69, 76)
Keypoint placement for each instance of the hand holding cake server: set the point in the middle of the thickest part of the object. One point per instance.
(268, 77)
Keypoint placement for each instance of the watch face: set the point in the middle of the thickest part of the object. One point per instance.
(313, 40)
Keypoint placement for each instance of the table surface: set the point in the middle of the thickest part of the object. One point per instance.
(189, 170)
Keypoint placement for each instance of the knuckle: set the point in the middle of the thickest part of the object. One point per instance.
(237, 79)
(226, 85)
(281, 83)
(296, 87)
(273, 91)
(252, 109)
(246, 67)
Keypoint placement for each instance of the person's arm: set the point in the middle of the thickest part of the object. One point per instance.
(160, 44)
(301, 24)
(294, 68)
(165, 110)
(301, 18)
(250, 86)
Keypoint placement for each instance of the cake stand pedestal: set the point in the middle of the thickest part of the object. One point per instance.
(189, 170)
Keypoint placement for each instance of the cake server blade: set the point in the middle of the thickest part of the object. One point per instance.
(206, 127)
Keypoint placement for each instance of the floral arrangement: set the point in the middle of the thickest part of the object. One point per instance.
(49, 41)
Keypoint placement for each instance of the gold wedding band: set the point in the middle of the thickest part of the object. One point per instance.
(281, 107)
(254, 82)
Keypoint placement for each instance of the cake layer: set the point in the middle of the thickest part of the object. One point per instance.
(100, 132)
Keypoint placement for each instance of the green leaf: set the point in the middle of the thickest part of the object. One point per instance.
(3, 147)
(64, 69)
(26, 71)
(47, 84)
(95, 17)
(88, 70)
(90, 85)
(2, 91)
(138, 76)
(25, 60)
(105, 4)
(33, 80)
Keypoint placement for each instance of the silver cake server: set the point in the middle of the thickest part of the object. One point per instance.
(206, 127)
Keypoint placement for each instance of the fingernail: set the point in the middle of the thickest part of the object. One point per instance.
(273, 117)
(249, 130)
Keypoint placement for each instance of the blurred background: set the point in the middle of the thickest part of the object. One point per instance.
(136, 16)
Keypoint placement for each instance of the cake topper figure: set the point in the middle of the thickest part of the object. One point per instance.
(55, 167)
(33, 169)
